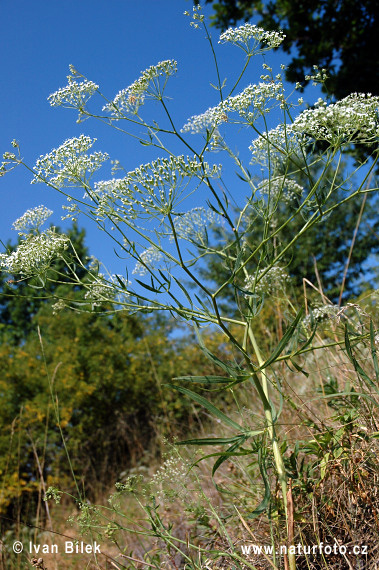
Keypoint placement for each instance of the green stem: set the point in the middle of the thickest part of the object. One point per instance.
(278, 458)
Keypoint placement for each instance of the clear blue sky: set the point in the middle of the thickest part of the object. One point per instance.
(110, 42)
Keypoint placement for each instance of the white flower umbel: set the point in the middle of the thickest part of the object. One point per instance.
(270, 282)
(129, 100)
(69, 164)
(192, 226)
(149, 259)
(151, 189)
(74, 95)
(107, 290)
(171, 480)
(354, 119)
(252, 39)
(197, 16)
(282, 188)
(321, 313)
(276, 146)
(32, 220)
(35, 254)
(252, 102)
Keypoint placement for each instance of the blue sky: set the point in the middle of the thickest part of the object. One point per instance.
(110, 42)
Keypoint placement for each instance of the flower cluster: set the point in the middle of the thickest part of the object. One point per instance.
(354, 119)
(150, 189)
(101, 290)
(32, 220)
(148, 261)
(10, 159)
(321, 314)
(171, 479)
(69, 165)
(282, 188)
(74, 95)
(197, 16)
(192, 226)
(58, 307)
(252, 39)
(318, 75)
(129, 100)
(270, 282)
(276, 146)
(35, 254)
(249, 104)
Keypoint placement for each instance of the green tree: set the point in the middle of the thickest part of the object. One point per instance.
(339, 35)
(322, 254)
(105, 374)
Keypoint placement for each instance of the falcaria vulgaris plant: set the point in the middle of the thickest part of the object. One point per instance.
(161, 217)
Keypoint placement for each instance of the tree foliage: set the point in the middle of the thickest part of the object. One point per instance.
(322, 254)
(90, 383)
(339, 35)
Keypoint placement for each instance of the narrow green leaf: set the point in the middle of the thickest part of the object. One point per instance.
(261, 508)
(208, 406)
(233, 371)
(148, 287)
(298, 368)
(183, 290)
(284, 341)
(210, 441)
(204, 379)
(121, 282)
(224, 456)
(356, 365)
(373, 351)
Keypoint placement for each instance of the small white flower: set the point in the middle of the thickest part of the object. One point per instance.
(321, 313)
(74, 95)
(101, 289)
(31, 220)
(58, 306)
(270, 282)
(253, 101)
(276, 146)
(151, 188)
(35, 254)
(354, 119)
(69, 164)
(148, 261)
(192, 226)
(252, 39)
(282, 188)
(129, 100)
